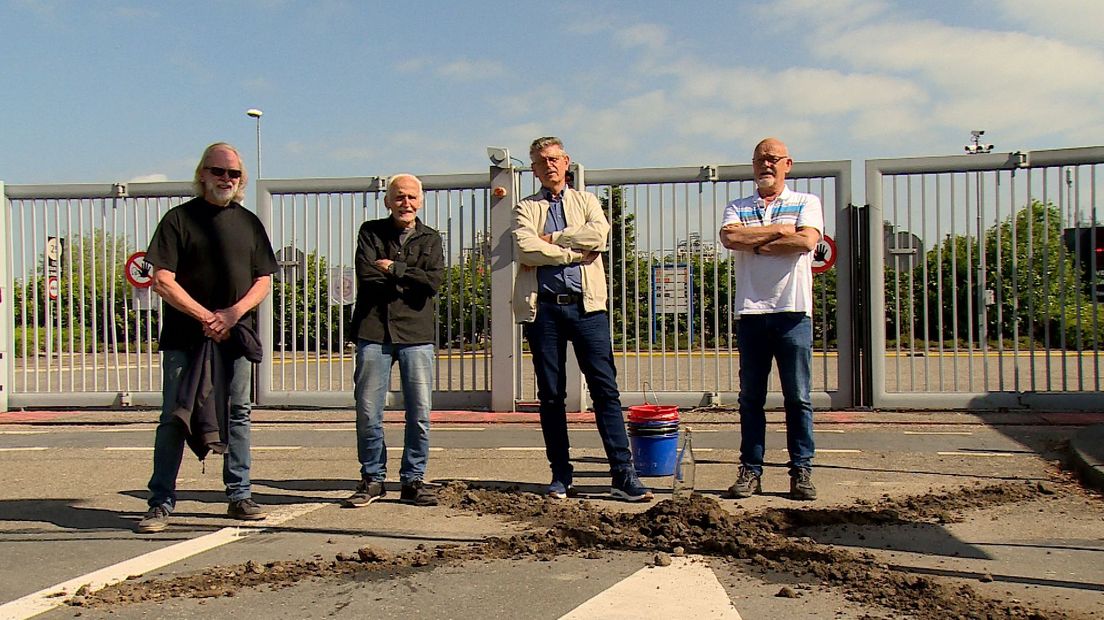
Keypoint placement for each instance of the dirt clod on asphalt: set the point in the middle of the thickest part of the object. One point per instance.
(770, 541)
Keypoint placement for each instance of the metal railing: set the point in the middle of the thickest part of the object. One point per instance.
(986, 304)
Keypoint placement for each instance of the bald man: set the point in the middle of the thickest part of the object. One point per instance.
(772, 234)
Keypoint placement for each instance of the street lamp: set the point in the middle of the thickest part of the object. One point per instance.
(257, 114)
(975, 147)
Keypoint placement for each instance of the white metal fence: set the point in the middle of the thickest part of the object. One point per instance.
(943, 322)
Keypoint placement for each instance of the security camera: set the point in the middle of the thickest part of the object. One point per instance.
(977, 133)
(500, 157)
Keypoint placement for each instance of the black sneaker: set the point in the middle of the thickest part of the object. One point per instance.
(155, 520)
(366, 492)
(245, 510)
(415, 492)
(627, 486)
(560, 490)
(747, 483)
(801, 484)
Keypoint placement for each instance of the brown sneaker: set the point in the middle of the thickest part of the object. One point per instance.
(801, 484)
(155, 520)
(747, 483)
(246, 510)
(366, 492)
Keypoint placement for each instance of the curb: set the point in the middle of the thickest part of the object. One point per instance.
(1087, 449)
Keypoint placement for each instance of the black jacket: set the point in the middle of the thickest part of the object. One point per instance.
(398, 306)
(203, 398)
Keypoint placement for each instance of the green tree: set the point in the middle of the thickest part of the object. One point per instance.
(93, 299)
(305, 316)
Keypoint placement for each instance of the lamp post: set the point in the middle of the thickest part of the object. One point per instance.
(976, 147)
(257, 114)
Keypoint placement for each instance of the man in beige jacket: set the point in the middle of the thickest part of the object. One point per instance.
(560, 295)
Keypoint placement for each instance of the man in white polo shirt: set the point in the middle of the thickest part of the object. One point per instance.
(773, 233)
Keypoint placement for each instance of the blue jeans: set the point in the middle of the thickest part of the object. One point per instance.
(788, 338)
(371, 379)
(168, 442)
(590, 336)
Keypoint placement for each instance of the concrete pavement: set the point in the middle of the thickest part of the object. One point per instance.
(1086, 446)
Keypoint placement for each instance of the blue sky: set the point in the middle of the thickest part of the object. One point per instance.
(100, 91)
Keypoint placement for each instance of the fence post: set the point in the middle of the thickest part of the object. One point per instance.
(263, 377)
(7, 309)
(503, 330)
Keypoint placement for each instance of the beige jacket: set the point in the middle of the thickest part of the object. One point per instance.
(587, 230)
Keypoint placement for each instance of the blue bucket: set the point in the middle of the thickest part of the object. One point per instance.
(654, 455)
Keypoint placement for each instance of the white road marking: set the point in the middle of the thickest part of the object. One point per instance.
(830, 450)
(33, 449)
(397, 449)
(274, 448)
(55, 596)
(959, 453)
(965, 433)
(685, 589)
(834, 431)
(129, 448)
(22, 432)
(520, 449)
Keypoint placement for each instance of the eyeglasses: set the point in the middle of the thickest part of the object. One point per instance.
(230, 172)
(771, 159)
(548, 161)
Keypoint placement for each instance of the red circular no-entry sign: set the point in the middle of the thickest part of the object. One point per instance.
(824, 255)
(138, 272)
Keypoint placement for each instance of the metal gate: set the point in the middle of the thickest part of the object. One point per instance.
(671, 284)
(986, 271)
(313, 226)
(80, 336)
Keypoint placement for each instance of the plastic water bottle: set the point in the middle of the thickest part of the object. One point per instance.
(683, 483)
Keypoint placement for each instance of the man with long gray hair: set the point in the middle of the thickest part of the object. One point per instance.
(212, 266)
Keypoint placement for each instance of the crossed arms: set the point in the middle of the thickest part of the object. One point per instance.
(581, 244)
(775, 239)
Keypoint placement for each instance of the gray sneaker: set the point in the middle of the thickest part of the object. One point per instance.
(155, 520)
(366, 492)
(245, 510)
(801, 484)
(747, 483)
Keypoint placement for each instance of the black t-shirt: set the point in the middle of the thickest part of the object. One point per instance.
(216, 253)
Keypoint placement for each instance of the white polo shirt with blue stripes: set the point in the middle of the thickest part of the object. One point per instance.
(774, 283)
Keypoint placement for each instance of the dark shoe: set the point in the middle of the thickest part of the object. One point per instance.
(559, 490)
(415, 492)
(748, 483)
(246, 510)
(155, 520)
(801, 484)
(366, 492)
(627, 486)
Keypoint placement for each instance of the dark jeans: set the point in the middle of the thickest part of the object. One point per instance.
(168, 442)
(788, 338)
(590, 336)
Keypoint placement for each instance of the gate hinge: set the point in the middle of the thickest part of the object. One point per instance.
(119, 190)
(708, 173)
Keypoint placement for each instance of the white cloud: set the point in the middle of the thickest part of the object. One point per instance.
(456, 69)
(465, 69)
(155, 177)
(1079, 20)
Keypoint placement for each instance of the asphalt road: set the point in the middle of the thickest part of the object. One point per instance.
(70, 496)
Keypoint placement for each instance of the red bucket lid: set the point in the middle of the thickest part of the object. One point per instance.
(642, 413)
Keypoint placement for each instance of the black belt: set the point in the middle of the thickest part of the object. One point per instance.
(560, 299)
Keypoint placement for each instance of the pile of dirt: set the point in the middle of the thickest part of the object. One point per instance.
(769, 540)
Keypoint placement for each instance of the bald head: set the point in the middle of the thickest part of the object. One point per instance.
(771, 163)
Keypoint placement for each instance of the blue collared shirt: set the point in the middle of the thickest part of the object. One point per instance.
(558, 279)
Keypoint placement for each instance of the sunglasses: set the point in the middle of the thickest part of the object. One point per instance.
(230, 172)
